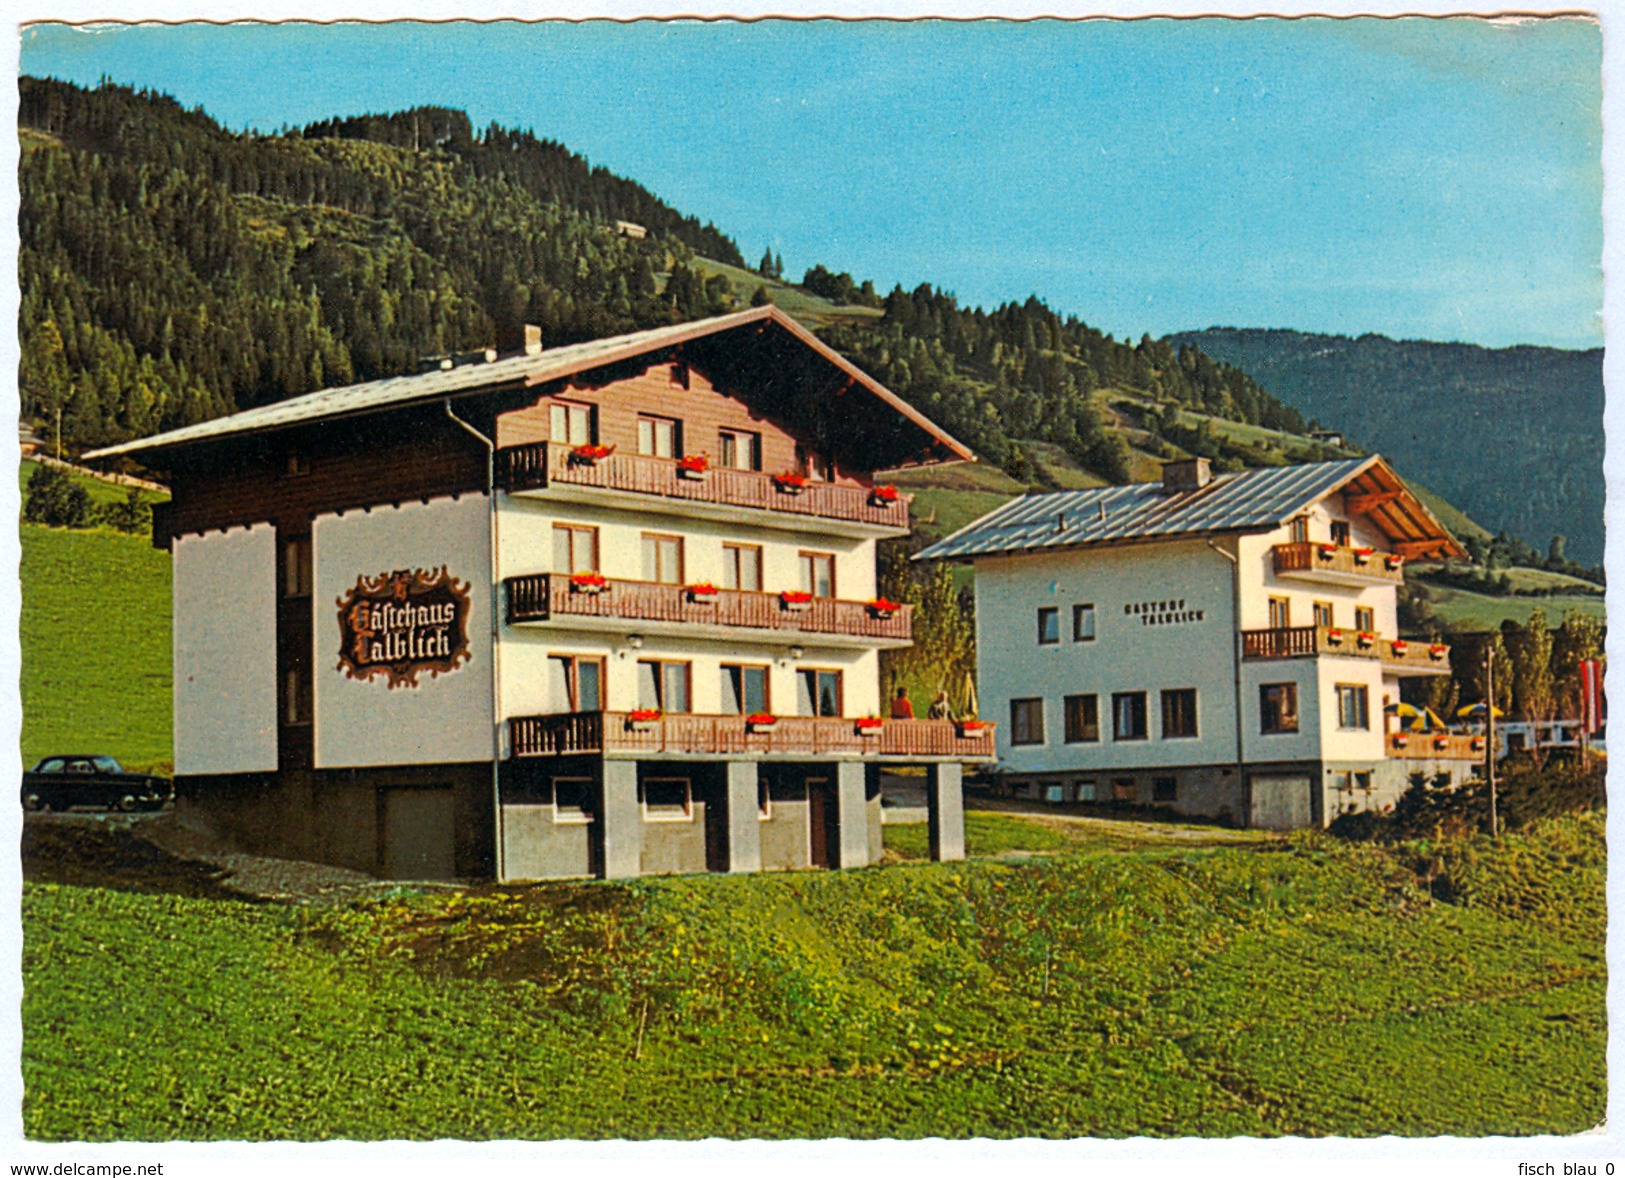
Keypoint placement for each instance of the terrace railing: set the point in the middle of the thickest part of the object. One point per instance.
(540, 596)
(1338, 563)
(1292, 642)
(542, 464)
(734, 736)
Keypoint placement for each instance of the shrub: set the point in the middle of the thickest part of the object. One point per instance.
(56, 500)
(132, 516)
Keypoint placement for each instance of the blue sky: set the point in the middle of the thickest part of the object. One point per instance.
(1421, 178)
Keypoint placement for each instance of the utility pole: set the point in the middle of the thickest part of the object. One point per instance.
(1489, 736)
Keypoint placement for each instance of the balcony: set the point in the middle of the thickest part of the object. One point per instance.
(1333, 564)
(614, 734)
(541, 466)
(1398, 655)
(1435, 746)
(550, 598)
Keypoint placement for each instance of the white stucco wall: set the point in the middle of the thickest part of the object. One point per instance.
(525, 535)
(224, 628)
(1127, 654)
(525, 651)
(1259, 582)
(445, 718)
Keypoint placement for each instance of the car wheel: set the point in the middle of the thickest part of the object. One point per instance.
(127, 803)
(34, 802)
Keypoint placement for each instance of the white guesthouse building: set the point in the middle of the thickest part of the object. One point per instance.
(1219, 645)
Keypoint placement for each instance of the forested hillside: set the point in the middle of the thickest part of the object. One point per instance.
(1510, 435)
(172, 271)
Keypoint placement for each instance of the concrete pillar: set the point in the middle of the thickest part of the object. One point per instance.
(852, 813)
(621, 823)
(744, 825)
(945, 809)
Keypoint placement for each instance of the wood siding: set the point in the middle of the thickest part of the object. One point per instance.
(670, 390)
(391, 459)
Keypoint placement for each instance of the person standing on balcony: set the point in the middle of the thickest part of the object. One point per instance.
(940, 709)
(901, 707)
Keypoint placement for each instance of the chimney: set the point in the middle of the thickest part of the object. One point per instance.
(519, 339)
(1187, 474)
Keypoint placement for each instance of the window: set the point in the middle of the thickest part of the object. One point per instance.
(574, 684)
(296, 566)
(1083, 623)
(739, 450)
(818, 693)
(1300, 530)
(667, 799)
(297, 464)
(764, 799)
(572, 424)
(1049, 625)
(662, 558)
(744, 690)
(1323, 614)
(575, 548)
(572, 799)
(1027, 721)
(814, 465)
(663, 685)
(1179, 712)
(1165, 789)
(296, 703)
(1365, 618)
(1278, 707)
(1353, 709)
(1340, 532)
(1084, 791)
(1280, 613)
(742, 567)
(818, 573)
(1128, 715)
(1082, 718)
(659, 437)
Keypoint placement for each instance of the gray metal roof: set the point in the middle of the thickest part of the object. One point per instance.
(555, 364)
(1248, 501)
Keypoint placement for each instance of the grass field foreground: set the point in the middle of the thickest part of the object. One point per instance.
(1308, 988)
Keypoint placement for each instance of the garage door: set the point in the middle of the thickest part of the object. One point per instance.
(1280, 803)
(418, 834)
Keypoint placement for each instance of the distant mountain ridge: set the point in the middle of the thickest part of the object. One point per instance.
(1512, 436)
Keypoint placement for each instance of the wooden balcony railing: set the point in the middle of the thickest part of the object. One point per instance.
(1294, 642)
(1447, 746)
(1336, 563)
(541, 596)
(731, 736)
(541, 464)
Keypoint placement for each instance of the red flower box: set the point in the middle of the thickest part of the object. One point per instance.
(588, 583)
(643, 719)
(882, 607)
(1400, 648)
(1327, 551)
(796, 600)
(1401, 741)
(589, 453)
(702, 592)
(1334, 636)
(1366, 638)
(970, 727)
(693, 466)
(883, 496)
(870, 726)
(761, 721)
(1361, 555)
(790, 482)
(1441, 743)
(1393, 562)
(1438, 650)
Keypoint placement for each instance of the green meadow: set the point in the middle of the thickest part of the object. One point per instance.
(1299, 987)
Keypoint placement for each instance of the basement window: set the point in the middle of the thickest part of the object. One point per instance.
(572, 800)
(667, 799)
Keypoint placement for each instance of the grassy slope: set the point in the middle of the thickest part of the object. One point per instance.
(808, 308)
(1311, 989)
(1479, 611)
(94, 635)
(100, 490)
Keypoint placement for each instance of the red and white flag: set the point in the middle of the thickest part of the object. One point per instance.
(1593, 708)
